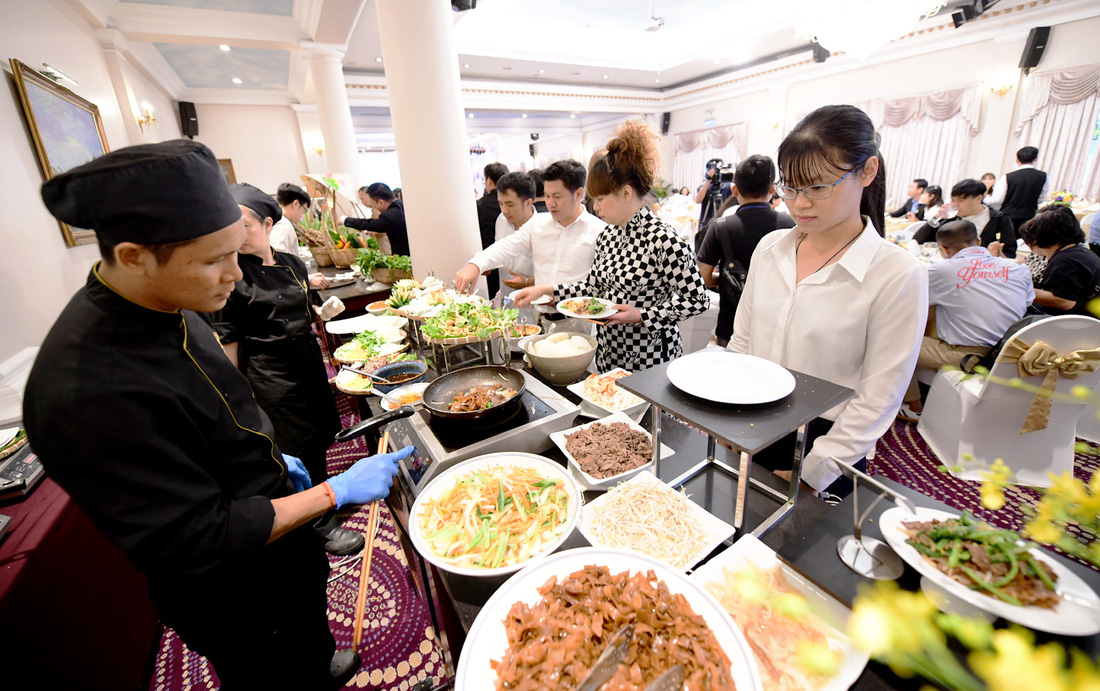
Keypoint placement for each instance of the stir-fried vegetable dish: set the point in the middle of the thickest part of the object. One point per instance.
(554, 643)
(460, 319)
(994, 562)
(480, 398)
(496, 517)
(585, 306)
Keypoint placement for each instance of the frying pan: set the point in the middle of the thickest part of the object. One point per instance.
(441, 393)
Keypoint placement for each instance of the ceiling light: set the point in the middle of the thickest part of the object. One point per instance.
(572, 116)
(55, 75)
(470, 115)
(524, 115)
(224, 48)
(657, 80)
(466, 65)
(236, 80)
(541, 71)
(605, 76)
(378, 59)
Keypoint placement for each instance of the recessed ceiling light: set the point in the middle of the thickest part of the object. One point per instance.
(236, 80)
(658, 80)
(541, 71)
(605, 76)
(224, 47)
(524, 115)
(470, 115)
(572, 116)
(378, 59)
(466, 65)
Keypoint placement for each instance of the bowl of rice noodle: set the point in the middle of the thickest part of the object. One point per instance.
(561, 357)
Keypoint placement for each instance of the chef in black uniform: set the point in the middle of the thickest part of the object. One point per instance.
(135, 410)
(265, 329)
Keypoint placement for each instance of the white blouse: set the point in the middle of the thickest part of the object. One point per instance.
(857, 323)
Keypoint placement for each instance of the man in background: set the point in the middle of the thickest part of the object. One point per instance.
(705, 195)
(391, 216)
(912, 205)
(976, 297)
(967, 204)
(734, 237)
(294, 202)
(488, 210)
(1020, 193)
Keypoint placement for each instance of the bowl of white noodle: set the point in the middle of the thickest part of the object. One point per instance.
(561, 357)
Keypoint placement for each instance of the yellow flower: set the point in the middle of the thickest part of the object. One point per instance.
(871, 627)
(1094, 483)
(992, 496)
(818, 658)
(1068, 488)
(1016, 664)
(1042, 531)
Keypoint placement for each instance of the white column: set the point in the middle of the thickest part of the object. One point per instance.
(326, 68)
(429, 127)
(114, 44)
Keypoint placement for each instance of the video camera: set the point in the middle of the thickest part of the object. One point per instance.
(724, 172)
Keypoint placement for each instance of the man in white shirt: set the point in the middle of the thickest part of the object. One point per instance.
(977, 297)
(561, 244)
(1020, 193)
(294, 202)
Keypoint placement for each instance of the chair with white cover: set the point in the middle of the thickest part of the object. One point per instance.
(969, 415)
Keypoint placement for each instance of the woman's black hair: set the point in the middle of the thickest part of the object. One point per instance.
(1054, 226)
(936, 193)
(840, 137)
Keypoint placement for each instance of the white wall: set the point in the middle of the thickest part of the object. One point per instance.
(263, 142)
(775, 104)
(38, 273)
(165, 109)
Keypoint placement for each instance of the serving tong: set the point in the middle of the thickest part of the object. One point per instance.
(616, 651)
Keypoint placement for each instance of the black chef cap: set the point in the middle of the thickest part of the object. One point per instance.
(150, 194)
(256, 199)
(288, 192)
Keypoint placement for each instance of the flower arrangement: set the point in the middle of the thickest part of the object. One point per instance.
(1064, 197)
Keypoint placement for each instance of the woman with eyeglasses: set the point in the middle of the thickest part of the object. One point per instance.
(831, 297)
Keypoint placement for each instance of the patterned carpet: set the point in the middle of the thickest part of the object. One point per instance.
(399, 646)
(904, 457)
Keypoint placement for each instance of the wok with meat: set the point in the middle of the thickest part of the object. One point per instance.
(554, 643)
(480, 398)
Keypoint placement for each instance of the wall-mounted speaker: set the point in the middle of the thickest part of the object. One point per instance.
(532, 149)
(189, 121)
(1037, 42)
(666, 122)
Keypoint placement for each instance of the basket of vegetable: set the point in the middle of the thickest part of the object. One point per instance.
(468, 322)
(384, 268)
(347, 246)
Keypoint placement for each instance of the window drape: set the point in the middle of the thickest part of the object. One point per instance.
(692, 150)
(1058, 115)
(928, 137)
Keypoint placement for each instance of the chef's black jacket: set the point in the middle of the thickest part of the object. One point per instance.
(391, 222)
(269, 316)
(141, 417)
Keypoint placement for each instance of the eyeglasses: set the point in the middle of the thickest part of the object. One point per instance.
(813, 191)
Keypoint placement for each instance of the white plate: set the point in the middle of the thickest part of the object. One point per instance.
(474, 670)
(726, 377)
(1078, 618)
(6, 435)
(749, 549)
(542, 300)
(593, 409)
(607, 311)
(717, 530)
(586, 480)
(447, 479)
(390, 402)
(365, 322)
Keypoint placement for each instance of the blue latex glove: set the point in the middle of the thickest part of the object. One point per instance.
(297, 473)
(369, 479)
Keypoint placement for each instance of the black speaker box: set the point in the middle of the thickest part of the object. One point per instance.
(666, 122)
(189, 121)
(1037, 42)
(531, 148)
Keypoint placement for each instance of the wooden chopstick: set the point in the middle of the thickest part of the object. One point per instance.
(368, 553)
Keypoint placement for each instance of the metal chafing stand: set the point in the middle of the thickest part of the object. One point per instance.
(748, 429)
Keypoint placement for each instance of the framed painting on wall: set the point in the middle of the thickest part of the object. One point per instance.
(227, 171)
(66, 130)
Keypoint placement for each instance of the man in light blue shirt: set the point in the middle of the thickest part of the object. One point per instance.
(976, 296)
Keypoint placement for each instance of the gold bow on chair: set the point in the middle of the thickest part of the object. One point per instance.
(1042, 360)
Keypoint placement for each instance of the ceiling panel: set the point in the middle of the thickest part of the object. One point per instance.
(279, 8)
(205, 67)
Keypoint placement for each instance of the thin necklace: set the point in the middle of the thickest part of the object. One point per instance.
(804, 236)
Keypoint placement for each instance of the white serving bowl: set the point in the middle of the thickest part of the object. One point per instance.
(560, 370)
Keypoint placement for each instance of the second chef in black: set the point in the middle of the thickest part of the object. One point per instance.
(265, 328)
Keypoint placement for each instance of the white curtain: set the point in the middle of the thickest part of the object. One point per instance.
(1059, 116)
(692, 150)
(926, 137)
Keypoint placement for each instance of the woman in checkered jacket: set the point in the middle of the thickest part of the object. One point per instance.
(641, 265)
